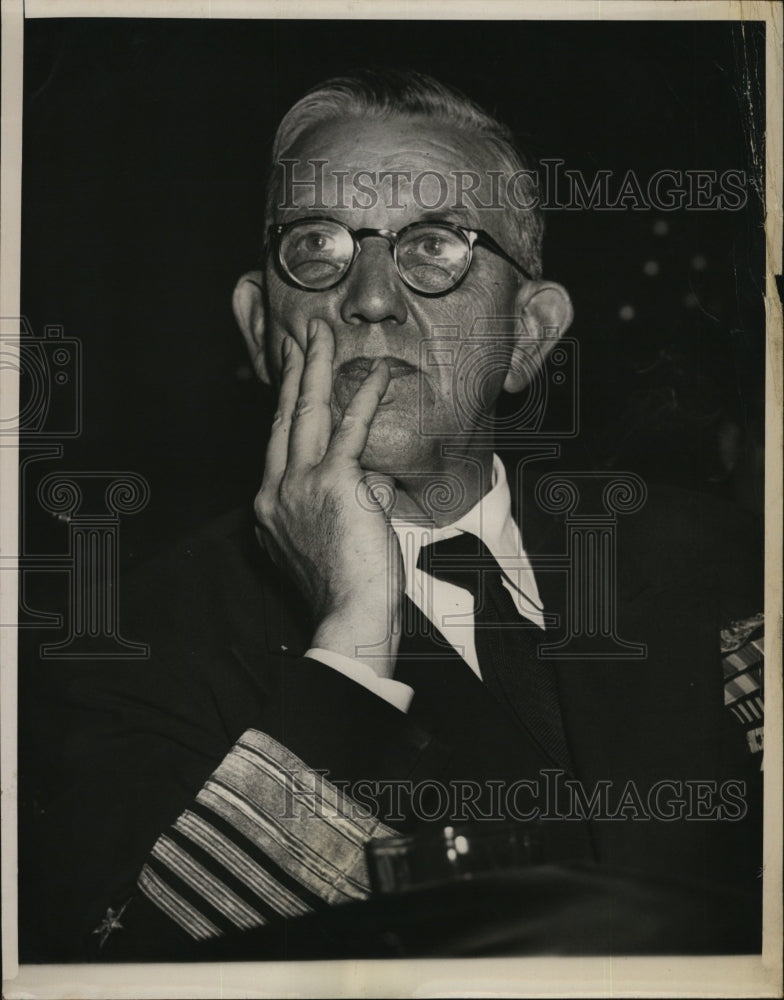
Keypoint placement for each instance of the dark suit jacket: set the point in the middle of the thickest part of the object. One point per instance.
(127, 745)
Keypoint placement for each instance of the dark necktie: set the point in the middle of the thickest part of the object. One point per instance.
(506, 644)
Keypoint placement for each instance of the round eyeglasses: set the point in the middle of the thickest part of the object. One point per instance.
(431, 257)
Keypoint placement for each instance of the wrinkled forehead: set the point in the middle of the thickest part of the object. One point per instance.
(388, 170)
(393, 140)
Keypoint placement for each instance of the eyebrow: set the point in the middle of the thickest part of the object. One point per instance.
(459, 212)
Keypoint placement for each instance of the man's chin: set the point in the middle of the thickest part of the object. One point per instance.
(394, 452)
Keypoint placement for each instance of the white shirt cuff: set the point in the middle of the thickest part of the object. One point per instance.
(392, 691)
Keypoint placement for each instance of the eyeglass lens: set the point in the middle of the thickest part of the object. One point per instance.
(430, 258)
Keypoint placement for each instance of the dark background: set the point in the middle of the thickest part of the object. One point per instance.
(145, 150)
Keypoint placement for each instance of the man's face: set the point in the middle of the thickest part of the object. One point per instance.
(372, 312)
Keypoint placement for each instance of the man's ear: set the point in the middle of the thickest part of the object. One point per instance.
(248, 304)
(546, 312)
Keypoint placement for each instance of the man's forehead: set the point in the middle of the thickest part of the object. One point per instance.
(392, 143)
(408, 168)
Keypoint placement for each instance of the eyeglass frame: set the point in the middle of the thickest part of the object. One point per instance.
(473, 237)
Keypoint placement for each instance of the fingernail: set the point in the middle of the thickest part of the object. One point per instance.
(312, 328)
(286, 346)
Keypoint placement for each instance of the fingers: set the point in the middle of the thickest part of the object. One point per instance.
(350, 437)
(301, 435)
(312, 423)
(278, 446)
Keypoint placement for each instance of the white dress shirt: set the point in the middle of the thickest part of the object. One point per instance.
(448, 607)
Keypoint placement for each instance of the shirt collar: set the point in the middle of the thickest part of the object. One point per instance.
(491, 520)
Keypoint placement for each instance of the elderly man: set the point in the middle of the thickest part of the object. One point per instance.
(368, 657)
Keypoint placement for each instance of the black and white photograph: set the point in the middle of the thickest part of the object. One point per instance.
(393, 482)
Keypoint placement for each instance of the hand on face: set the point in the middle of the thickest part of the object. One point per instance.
(319, 518)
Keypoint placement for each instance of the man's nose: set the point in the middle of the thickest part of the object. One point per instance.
(374, 291)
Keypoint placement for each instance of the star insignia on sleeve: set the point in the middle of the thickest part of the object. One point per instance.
(111, 922)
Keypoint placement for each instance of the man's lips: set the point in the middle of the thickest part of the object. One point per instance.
(351, 373)
(356, 369)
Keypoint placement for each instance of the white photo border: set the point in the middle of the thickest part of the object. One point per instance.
(611, 976)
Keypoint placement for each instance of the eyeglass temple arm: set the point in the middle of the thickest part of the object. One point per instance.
(484, 239)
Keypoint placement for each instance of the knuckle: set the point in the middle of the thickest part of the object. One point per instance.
(291, 371)
(292, 361)
(264, 507)
(352, 420)
(302, 409)
(288, 491)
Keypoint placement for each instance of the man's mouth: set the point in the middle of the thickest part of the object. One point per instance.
(356, 369)
(350, 375)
